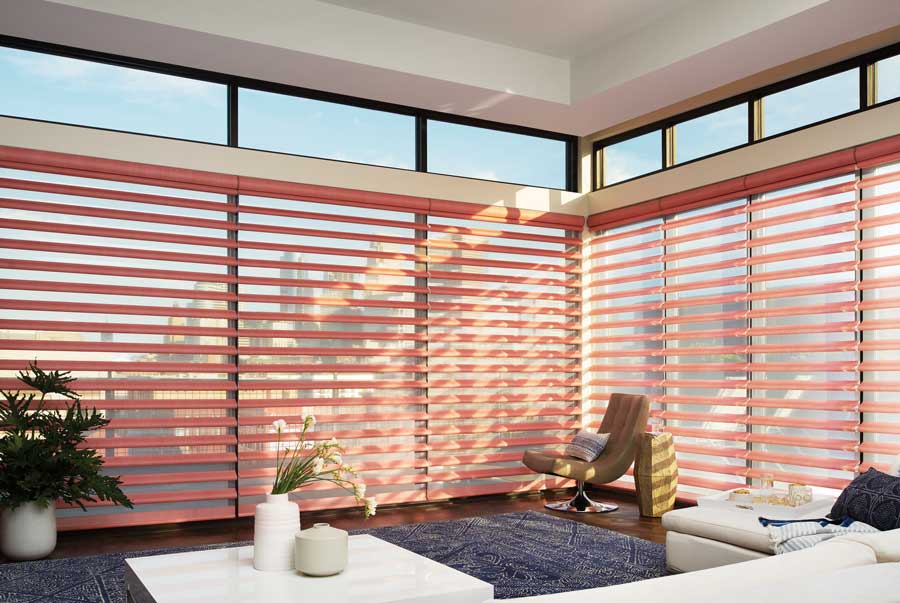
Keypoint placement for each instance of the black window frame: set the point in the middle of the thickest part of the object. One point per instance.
(753, 100)
(234, 82)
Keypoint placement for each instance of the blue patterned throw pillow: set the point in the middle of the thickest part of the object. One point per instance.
(872, 498)
(587, 445)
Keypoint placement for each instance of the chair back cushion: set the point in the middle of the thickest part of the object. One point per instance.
(587, 445)
(625, 420)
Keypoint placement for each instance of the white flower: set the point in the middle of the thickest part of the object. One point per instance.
(309, 420)
(337, 458)
(318, 465)
(359, 490)
(371, 505)
(332, 442)
(279, 425)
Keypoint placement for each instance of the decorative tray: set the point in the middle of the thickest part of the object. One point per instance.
(773, 506)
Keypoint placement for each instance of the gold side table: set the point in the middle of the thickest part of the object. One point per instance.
(656, 474)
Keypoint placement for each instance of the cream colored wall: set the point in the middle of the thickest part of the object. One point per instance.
(244, 162)
(860, 128)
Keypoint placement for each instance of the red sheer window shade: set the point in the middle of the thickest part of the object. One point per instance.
(132, 288)
(340, 335)
(760, 326)
(880, 313)
(623, 280)
(503, 351)
(434, 338)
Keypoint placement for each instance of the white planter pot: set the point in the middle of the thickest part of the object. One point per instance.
(276, 523)
(28, 531)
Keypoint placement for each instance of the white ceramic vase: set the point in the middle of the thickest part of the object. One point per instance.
(28, 531)
(275, 525)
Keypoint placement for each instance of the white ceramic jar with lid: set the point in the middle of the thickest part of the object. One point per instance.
(321, 550)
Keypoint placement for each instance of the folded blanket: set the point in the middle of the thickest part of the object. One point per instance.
(794, 535)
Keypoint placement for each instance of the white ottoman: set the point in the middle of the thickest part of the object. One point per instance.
(701, 538)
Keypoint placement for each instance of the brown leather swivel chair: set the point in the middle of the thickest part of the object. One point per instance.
(625, 420)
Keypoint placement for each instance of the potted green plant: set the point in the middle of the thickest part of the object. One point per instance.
(42, 460)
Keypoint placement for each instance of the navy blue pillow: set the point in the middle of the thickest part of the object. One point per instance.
(873, 498)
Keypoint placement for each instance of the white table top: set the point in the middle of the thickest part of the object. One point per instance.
(377, 572)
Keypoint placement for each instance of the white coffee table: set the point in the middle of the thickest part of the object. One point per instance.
(378, 572)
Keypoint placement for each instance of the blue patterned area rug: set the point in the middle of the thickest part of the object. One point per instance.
(521, 554)
(530, 553)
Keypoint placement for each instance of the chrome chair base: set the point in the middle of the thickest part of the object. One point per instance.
(581, 504)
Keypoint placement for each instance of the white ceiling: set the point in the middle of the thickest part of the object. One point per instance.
(574, 66)
(561, 28)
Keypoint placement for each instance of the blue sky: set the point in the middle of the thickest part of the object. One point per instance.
(632, 157)
(811, 102)
(67, 90)
(888, 78)
(308, 127)
(711, 133)
(492, 155)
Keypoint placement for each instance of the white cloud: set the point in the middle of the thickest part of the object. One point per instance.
(148, 87)
(485, 174)
(53, 67)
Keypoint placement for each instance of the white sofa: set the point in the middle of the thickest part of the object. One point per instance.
(857, 567)
(850, 568)
(700, 538)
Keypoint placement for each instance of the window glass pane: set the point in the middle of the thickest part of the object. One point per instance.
(633, 157)
(711, 133)
(888, 79)
(48, 87)
(811, 102)
(494, 155)
(301, 126)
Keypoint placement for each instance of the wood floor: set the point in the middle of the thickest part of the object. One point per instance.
(626, 520)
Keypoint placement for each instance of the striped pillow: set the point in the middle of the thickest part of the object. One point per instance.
(587, 445)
